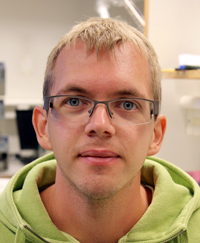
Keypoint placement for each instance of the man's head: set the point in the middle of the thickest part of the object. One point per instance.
(102, 35)
(101, 154)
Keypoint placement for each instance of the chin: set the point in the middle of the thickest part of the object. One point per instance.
(99, 191)
(99, 196)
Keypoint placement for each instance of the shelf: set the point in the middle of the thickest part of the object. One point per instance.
(22, 102)
(185, 74)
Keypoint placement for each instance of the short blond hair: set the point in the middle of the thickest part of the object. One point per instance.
(103, 35)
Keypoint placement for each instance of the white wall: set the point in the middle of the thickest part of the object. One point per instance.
(28, 31)
(173, 30)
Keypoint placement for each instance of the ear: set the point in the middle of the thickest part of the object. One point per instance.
(39, 121)
(158, 135)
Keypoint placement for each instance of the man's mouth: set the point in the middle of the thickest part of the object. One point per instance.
(99, 157)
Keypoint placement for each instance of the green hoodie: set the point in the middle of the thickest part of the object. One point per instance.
(173, 216)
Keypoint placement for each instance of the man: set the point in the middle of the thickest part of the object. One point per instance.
(101, 119)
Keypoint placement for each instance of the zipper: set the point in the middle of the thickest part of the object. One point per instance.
(172, 238)
(34, 233)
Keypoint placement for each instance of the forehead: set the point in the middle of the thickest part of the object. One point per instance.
(123, 68)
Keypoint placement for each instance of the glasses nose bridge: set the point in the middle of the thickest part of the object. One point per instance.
(95, 103)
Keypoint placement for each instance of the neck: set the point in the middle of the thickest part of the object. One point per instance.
(106, 220)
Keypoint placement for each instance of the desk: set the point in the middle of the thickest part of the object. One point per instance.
(3, 183)
(13, 165)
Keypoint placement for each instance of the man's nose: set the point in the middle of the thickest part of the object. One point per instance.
(100, 123)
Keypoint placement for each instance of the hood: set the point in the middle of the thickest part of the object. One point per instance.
(166, 217)
(176, 197)
(21, 196)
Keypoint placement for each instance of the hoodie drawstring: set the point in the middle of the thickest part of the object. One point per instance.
(19, 237)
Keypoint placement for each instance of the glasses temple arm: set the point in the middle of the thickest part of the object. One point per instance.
(46, 103)
(156, 108)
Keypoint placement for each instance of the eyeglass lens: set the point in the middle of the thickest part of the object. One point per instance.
(122, 111)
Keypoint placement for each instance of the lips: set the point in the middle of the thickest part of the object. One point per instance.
(101, 154)
(99, 157)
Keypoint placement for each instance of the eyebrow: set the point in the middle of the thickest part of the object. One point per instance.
(72, 88)
(132, 92)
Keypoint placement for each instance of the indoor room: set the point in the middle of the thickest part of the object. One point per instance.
(30, 29)
(99, 121)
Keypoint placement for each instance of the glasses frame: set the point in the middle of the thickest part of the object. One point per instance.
(47, 104)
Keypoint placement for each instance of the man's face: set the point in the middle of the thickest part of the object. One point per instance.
(98, 157)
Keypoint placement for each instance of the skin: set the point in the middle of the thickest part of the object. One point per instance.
(99, 161)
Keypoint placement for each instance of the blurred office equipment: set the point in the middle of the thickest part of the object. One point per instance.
(189, 61)
(191, 107)
(3, 152)
(29, 147)
(195, 175)
(2, 89)
(3, 135)
(2, 78)
(2, 109)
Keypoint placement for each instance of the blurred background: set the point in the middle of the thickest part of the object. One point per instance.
(29, 29)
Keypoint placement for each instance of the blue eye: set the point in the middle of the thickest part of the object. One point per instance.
(74, 102)
(128, 105)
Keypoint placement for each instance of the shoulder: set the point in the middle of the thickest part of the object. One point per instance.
(7, 235)
(193, 230)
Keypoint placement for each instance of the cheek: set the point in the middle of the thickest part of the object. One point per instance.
(63, 135)
(138, 139)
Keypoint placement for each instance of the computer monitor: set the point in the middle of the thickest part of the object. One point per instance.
(27, 136)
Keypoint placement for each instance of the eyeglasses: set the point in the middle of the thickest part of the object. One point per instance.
(125, 111)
